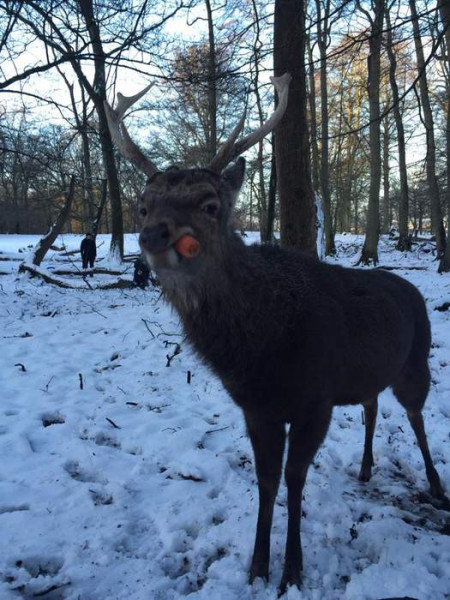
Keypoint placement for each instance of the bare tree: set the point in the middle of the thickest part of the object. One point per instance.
(370, 249)
(296, 197)
(404, 242)
(313, 116)
(428, 121)
(323, 42)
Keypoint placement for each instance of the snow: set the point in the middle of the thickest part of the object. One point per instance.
(141, 485)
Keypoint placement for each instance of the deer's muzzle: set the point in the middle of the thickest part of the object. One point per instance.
(155, 239)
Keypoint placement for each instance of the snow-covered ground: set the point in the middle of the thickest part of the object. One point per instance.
(119, 479)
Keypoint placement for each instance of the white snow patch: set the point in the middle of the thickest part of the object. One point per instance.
(141, 485)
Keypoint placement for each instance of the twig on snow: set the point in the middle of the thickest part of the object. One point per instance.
(112, 423)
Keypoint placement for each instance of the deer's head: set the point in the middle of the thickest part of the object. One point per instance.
(190, 202)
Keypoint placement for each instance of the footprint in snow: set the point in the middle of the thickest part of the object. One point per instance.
(52, 419)
(101, 439)
(78, 473)
(101, 497)
(190, 570)
(37, 576)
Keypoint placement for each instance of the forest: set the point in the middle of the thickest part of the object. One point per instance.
(368, 115)
(175, 375)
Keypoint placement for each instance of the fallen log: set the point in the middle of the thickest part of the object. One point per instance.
(81, 273)
(119, 284)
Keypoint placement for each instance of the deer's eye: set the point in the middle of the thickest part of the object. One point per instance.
(143, 212)
(210, 208)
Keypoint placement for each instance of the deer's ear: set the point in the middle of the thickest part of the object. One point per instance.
(233, 176)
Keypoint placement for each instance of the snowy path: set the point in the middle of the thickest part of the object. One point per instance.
(141, 485)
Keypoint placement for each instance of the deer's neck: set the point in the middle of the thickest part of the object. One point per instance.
(216, 305)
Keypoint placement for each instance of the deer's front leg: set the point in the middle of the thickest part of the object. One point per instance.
(370, 414)
(305, 436)
(268, 439)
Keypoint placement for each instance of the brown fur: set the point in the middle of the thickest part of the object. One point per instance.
(290, 337)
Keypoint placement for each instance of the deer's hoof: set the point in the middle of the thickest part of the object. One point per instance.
(365, 474)
(290, 578)
(258, 570)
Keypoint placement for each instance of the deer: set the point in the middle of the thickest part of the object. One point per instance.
(289, 336)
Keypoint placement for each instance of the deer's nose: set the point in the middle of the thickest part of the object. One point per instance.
(155, 239)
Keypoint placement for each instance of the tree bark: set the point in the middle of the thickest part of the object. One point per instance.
(262, 204)
(48, 240)
(313, 119)
(98, 95)
(444, 9)
(386, 182)
(433, 189)
(212, 86)
(272, 194)
(296, 197)
(404, 242)
(322, 41)
(370, 249)
(98, 216)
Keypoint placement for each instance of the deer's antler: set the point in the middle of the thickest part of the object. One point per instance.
(231, 149)
(228, 152)
(120, 135)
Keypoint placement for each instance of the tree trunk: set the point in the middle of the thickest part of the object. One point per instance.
(370, 249)
(104, 195)
(322, 37)
(433, 189)
(313, 119)
(44, 243)
(386, 183)
(444, 9)
(262, 203)
(296, 197)
(212, 87)
(98, 95)
(404, 242)
(272, 194)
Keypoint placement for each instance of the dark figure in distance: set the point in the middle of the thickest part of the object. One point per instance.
(141, 273)
(88, 251)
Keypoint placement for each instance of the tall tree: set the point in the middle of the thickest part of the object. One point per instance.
(444, 11)
(296, 197)
(370, 249)
(313, 116)
(386, 222)
(404, 242)
(212, 88)
(323, 42)
(433, 189)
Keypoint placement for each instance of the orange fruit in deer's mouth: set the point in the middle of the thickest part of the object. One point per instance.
(187, 246)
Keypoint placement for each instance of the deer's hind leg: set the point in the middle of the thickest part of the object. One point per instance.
(411, 391)
(370, 419)
(268, 439)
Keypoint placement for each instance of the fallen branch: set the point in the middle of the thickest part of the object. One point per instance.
(170, 357)
(120, 284)
(399, 268)
(95, 271)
